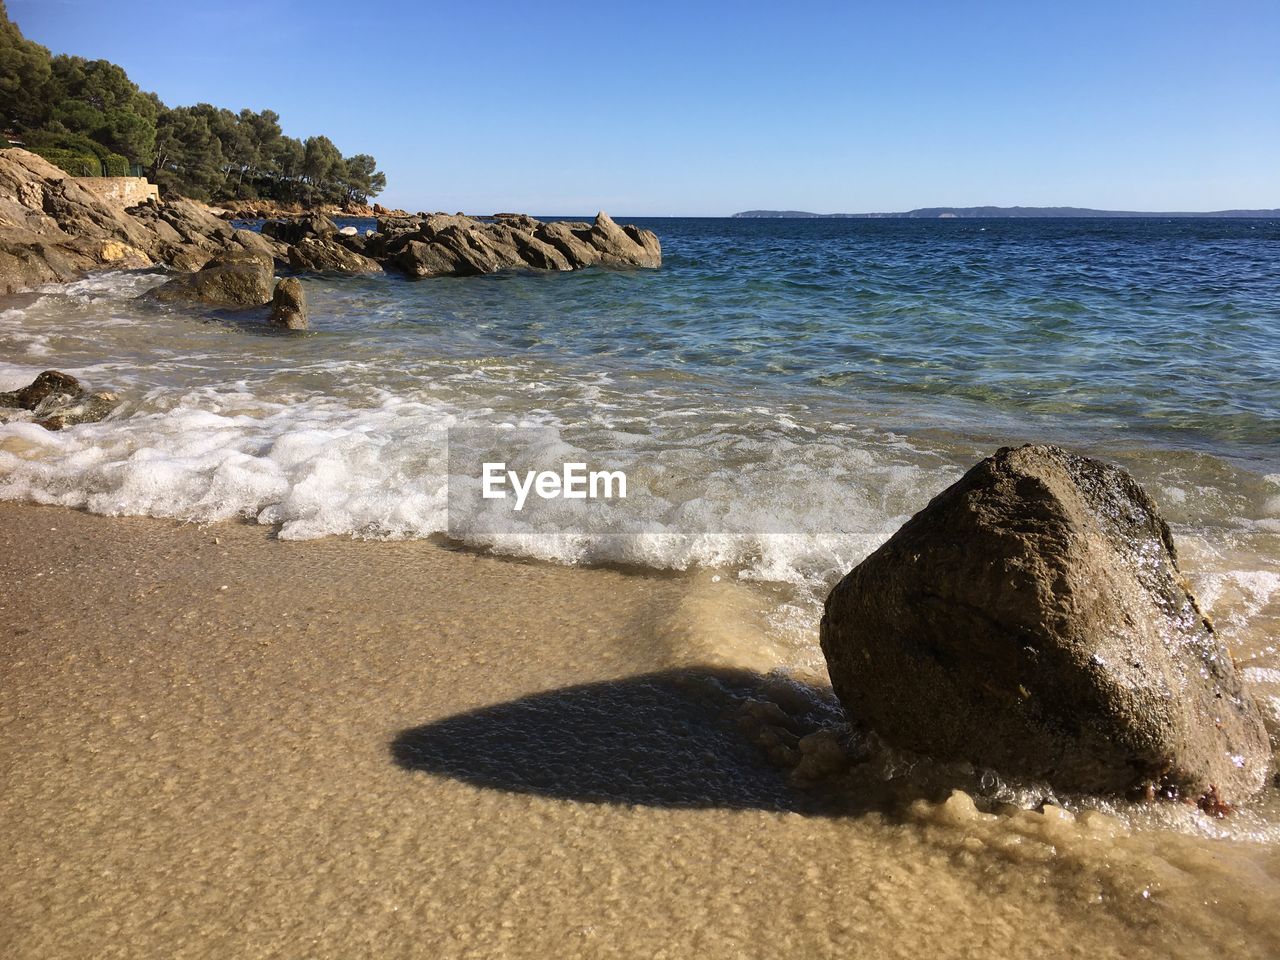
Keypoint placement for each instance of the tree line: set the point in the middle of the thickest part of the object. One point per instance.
(88, 117)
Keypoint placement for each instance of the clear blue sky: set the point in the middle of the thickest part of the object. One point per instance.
(709, 108)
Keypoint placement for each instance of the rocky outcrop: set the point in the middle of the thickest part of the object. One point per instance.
(313, 255)
(292, 231)
(1032, 618)
(289, 305)
(238, 277)
(56, 400)
(628, 246)
(52, 229)
(456, 245)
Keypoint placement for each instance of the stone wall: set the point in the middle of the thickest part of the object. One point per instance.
(120, 192)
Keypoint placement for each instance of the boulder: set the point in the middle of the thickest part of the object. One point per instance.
(632, 247)
(193, 222)
(531, 251)
(419, 259)
(289, 305)
(519, 221)
(58, 412)
(299, 228)
(478, 249)
(238, 277)
(316, 255)
(354, 241)
(250, 240)
(1032, 618)
(573, 244)
(50, 383)
(57, 400)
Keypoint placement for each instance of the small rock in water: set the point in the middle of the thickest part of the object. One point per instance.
(57, 400)
(51, 383)
(289, 305)
(57, 413)
(1032, 618)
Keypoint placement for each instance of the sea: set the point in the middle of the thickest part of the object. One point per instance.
(782, 394)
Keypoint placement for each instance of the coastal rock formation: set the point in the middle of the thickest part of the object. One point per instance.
(51, 229)
(456, 245)
(1032, 618)
(312, 255)
(57, 400)
(289, 305)
(571, 240)
(292, 231)
(238, 277)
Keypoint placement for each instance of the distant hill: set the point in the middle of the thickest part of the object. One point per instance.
(947, 213)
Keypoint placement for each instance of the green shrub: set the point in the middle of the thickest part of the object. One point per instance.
(76, 164)
(82, 163)
(114, 165)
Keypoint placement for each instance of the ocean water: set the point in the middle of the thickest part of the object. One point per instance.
(782, 394)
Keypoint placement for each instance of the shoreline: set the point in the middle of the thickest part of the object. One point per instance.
(201, 731)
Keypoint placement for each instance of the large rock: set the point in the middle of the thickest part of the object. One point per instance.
(531, 251)
(51, 229)
(289, 305)
(299, 228)
(317, 256)
(629, 247)
(1032, 618)
(28, 259)
(238, 277)
(573, 245)
(256, 241)
(419, 260)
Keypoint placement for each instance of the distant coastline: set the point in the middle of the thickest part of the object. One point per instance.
(970, 213)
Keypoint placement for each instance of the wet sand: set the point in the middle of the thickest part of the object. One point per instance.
(217, 744)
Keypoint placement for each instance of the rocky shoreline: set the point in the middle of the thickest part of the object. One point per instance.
(53, 230)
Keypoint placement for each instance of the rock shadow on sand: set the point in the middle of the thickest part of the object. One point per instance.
(680, 739)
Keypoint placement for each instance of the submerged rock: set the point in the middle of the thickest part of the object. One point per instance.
(50, 383)
(238, 277)
(289, 305)
(1033, 618)
(57, 413)
(58, 400)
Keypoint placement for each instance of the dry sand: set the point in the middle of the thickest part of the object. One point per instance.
(216, 744)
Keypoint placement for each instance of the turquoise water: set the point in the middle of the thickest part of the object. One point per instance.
(1166, 329)
(784, 394)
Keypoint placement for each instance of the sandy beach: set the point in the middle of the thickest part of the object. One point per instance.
(219, 744)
